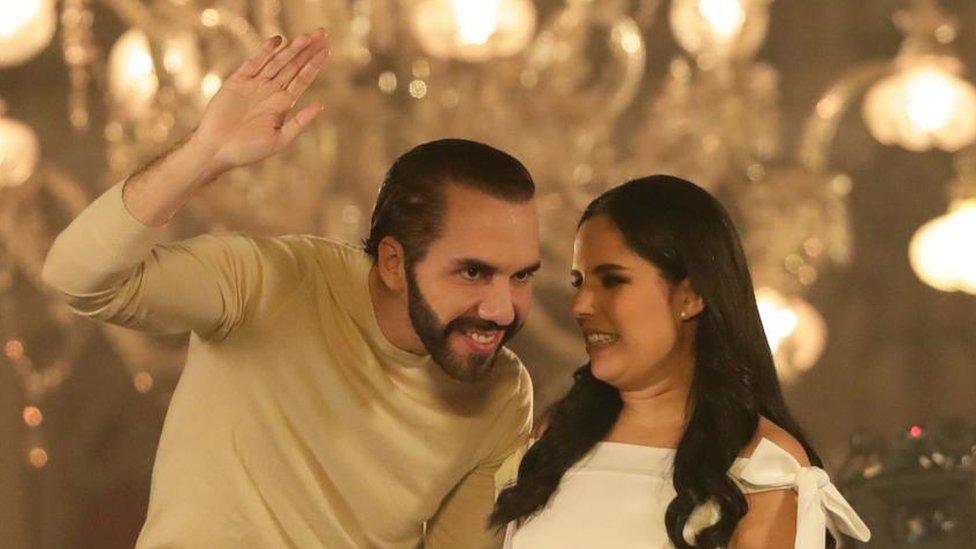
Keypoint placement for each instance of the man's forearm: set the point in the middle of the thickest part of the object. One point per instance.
(156, 192)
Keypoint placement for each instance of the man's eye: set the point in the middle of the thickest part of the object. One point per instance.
(471, 273)
(524, 277)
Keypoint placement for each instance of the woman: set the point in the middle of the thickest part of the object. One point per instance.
(676, 432)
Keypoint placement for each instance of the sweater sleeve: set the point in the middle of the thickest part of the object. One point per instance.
(114, 269)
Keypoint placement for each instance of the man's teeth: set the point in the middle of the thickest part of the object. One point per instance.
(479, 337)
(596, 339)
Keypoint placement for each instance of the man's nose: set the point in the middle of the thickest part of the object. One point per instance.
(497, 305)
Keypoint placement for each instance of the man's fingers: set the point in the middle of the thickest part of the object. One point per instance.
(252, 65)
(288, 72)
(283, 56)
(307, 75)
(301, 120)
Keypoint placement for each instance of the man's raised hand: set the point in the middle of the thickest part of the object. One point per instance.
(247, 120)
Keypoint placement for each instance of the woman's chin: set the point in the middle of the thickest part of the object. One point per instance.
(604, 369)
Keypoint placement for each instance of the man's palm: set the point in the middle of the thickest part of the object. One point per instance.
(246, 121)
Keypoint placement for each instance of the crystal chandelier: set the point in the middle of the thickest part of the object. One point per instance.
(562, 86)
(941, 251)
(924, 102)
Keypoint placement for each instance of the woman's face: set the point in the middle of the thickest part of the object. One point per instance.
(629, 314)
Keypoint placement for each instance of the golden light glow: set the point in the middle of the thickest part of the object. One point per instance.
(473, 30)
(795, 331)
(13, 349)
(941, 252)
(476, 20)
(922, 106)
(725, 17)
(132, 76)
(26, 28)
(37, 457)
(210, 85)
(143, 382)
(33, 416)
(19, 151)
(719, 29)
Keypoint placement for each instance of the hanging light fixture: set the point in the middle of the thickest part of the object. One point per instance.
(941, 252)
(715, 30)
(26, 28)
(474, 30)
(794, 329)
(925, 103)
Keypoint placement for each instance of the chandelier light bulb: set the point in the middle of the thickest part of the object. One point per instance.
(795, 331)
(473, 30)
(941, 251)
(26, 28)
(725, 17)
(19, 152)
(720, 29)
(132, 76)
(922, 106)
(476, 20)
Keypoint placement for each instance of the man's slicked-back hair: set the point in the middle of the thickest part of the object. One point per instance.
(410, 205)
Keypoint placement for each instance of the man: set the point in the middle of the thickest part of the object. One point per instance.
(333, 396)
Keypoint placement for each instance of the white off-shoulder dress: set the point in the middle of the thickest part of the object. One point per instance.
(617, 495)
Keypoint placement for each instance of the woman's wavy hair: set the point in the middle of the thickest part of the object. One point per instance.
(686, 234)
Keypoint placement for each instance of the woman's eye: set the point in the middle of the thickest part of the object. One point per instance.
(611, 281)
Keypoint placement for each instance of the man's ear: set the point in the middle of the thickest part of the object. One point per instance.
(688, 302)
(391, 264)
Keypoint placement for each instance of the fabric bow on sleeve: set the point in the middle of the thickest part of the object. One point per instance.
(819, 504)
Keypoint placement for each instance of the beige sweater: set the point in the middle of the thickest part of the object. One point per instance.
(295, 423)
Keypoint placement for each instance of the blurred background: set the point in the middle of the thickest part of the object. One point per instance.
(840, 134)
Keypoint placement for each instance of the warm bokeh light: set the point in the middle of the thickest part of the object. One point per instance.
(474, 30)
(37, 457)
(19, 151)
(795, 331)
(13, 349)
(720, 29)
(477, 20)
(922, 106)
(143, 382)
(725, 17)
(942, 252)
(132, 76)
(210, 85)
(32, 416)
(26, 28)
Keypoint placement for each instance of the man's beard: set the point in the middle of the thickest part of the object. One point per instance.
(436, 336)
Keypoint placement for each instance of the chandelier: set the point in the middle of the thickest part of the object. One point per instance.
(562, 85)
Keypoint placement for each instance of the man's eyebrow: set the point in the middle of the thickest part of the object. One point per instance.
(472, 263)
(531, 268)
(488, 268)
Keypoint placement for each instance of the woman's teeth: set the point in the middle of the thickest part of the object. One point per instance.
(598, 339)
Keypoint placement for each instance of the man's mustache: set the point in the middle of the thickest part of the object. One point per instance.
(462, 324)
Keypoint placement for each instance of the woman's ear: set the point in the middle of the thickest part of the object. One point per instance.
(687, 302)
(391, 264)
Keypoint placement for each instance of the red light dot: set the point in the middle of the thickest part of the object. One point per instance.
(915, 431)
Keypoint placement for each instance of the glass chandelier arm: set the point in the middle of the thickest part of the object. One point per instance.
(821, 125)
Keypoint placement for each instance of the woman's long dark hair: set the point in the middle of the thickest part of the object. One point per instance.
(685, 233)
